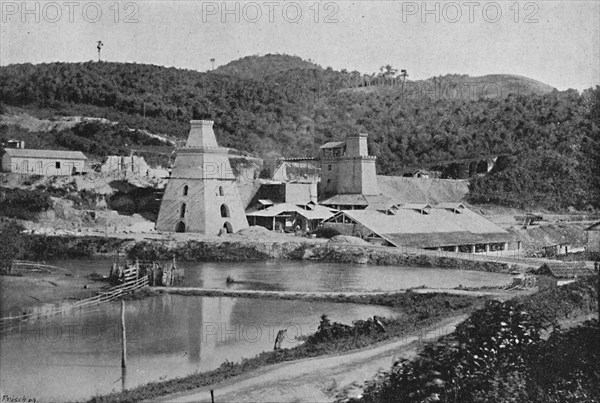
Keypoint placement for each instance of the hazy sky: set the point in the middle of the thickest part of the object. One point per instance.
(557, 42)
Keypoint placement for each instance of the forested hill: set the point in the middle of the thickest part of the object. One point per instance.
(552, 137)
(262, 67)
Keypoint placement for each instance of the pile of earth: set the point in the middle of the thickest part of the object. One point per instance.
(352, 240)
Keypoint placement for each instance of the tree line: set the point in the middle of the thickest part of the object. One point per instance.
(551, 138)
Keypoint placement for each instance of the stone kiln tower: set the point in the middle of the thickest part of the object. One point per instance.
(347, 167)
(201, 195)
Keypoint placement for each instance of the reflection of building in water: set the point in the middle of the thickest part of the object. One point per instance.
(209, 327)
(195, 333)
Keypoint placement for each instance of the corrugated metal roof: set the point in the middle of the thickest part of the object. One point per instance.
(46, 154)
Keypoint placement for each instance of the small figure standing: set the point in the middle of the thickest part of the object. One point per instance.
(279, 339)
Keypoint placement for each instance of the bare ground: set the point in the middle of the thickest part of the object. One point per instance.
(321, 379)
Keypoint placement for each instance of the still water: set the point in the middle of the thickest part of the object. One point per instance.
(311, 276)
(78, 355)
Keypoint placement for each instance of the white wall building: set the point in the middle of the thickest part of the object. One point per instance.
(42, 162)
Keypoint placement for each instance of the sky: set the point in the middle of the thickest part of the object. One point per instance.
(556, 42)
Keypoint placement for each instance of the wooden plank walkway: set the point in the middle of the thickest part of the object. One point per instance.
(112, 294)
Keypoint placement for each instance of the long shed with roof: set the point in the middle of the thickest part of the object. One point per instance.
(288, 215)
(43, 162)
(450, 227)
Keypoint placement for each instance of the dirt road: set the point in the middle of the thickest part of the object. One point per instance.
(319, 379)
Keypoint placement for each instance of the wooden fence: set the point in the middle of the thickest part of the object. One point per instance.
(111, 294)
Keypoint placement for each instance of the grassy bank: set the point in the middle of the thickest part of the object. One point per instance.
(499, 354)
(42, 247)
(418, 311)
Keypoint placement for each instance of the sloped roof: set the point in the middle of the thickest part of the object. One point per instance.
(594, 227)
(565, 270)
(333, 144)
(450, 205)
(318, 212)
(265, 202)
(415, 206)
(47, 154)
(412, 171)
(299, 164)
(439, 228)
(347, 200)
(379, 202)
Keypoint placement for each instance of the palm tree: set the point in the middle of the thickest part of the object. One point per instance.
(99, 47)
(403, 74)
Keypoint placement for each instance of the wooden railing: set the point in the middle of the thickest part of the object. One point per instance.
(112, 294)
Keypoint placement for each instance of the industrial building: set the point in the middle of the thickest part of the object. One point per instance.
(449, 226)
(43, 162)
(201, 195)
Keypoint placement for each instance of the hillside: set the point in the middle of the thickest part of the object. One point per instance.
(551, 137)
(416, 190)
(262, 67)
(452, 87)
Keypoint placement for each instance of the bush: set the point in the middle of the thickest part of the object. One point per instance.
(498, 355)
(23, 204)
(327, 232)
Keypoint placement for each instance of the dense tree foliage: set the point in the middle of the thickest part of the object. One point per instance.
(283, 105)
(11, 239)
(498, 355)
(23, 204)
(263, 67)
(95, 139)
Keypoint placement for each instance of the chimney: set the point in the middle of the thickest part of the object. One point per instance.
(201, 134)
(356, 145)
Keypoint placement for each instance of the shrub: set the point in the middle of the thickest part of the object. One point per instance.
(23, 204)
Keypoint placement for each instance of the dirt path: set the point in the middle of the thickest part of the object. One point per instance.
(318, 379)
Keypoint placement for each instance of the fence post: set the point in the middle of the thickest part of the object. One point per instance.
(123, 346)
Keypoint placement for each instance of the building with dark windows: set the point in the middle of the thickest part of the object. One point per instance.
(202, 194)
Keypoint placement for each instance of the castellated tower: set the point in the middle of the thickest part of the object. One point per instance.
(201, 195)
(347, 167)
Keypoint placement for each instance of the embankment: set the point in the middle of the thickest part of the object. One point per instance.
(42, 247)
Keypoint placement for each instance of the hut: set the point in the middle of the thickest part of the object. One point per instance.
(564, 272)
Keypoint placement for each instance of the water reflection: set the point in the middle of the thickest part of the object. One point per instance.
(79, 354)
(310, 276)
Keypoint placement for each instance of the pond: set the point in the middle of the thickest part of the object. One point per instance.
(78, 355)
(312, 276)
